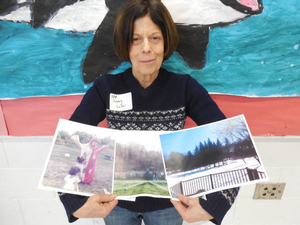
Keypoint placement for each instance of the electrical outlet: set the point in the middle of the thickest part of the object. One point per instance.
(269, 190)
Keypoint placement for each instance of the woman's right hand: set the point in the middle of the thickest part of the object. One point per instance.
(97, 206)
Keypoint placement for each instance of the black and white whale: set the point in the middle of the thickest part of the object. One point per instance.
(193, 18)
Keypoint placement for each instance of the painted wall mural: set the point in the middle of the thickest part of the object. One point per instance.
(59, 47)
(232, 47)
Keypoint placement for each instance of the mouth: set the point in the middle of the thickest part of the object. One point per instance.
(253, 4)
(147, 61)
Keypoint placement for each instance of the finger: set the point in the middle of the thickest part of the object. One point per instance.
(174, 202)
(179, 207)
(104, 198)
(189, 202)
(110, 205)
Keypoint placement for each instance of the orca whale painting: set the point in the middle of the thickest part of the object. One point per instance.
(194, 19)
(60, 47)
(247, 48)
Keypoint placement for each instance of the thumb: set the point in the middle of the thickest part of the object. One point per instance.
(188, 202)
(184, 199)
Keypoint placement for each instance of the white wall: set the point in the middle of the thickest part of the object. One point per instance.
(21, 203)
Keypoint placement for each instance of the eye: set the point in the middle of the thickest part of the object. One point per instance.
(155, 39)
(136, 40)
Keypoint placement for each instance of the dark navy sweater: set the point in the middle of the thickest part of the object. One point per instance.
(164, 105)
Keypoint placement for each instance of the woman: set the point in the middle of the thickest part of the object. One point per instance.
(148, 98)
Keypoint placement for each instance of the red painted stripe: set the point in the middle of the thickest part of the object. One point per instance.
(265, 116)
(3, 130)
(38, 116)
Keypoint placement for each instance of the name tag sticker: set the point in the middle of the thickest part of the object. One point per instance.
(120, 102)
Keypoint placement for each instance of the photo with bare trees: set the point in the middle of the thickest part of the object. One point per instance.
(212, 157)
(139, 167)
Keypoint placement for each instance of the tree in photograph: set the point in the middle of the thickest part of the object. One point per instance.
(217, 153)
(148, 175)
(196, 150)
(199, 156)
(210, 155)
(235, 130)
(205, 154)
(245, 149)
(153, 171)
(83, 136)
(188, 162)
(132, 157)
(226, 148)
(62, 137)
(174, 163)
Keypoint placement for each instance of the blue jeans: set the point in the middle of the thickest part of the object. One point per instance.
(121, 216)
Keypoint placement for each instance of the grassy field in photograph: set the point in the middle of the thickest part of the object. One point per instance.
(135, 187)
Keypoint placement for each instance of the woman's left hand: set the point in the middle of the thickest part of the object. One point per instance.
(190, 209)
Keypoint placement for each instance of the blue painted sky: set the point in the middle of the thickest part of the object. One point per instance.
(256, 57)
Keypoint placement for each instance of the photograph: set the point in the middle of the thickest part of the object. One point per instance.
(139, 167)
(81, 160)
(210, 158)
(89, 160)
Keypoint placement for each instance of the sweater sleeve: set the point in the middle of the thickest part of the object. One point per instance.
(72, 203)
(218, 203)
(92, 108)
(90, 111)
(202, 109)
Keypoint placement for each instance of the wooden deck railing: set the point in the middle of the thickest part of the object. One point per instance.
(215, 181)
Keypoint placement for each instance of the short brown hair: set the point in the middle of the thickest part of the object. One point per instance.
(134, 9)
(74, 170)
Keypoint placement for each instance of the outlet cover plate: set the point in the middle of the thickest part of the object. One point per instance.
(269, 190)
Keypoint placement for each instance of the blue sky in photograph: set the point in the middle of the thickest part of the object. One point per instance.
(186, 140)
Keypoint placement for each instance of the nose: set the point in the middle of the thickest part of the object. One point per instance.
(146, 46)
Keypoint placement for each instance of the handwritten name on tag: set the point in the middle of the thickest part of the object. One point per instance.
(120, 102)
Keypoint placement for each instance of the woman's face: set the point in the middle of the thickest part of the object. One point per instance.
(147, 49)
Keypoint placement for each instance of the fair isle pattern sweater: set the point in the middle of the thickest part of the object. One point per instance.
(164, 105)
